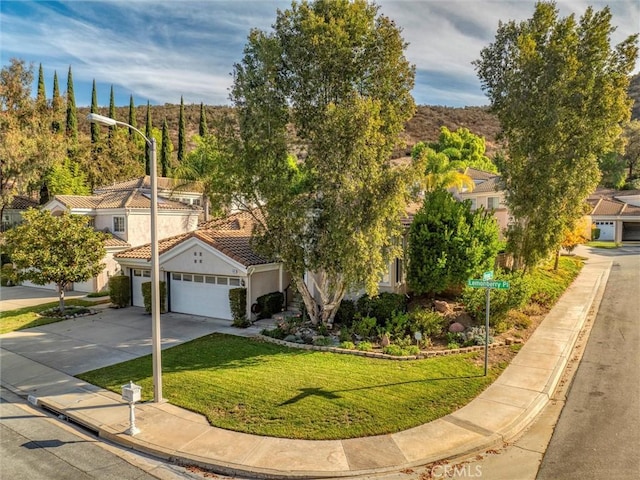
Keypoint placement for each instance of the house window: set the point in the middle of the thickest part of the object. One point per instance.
(118, 224)
(234, 282)
(146, 273)
(196, 202)
(222, 281)
(474, 203)
(198, 278)
(176, 276)
(493, 203)
(137, 273)
(210, 280)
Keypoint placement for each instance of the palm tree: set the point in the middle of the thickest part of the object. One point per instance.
(440, 171)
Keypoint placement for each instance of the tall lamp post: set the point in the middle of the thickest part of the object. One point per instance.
(155, 263)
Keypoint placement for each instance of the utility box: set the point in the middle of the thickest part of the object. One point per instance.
(131, 392)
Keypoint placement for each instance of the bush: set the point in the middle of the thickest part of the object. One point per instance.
(120, 290)
(398, 325)
(323, 341)
(345, 313)
(400, 351)
(364, 346)
(348, 345)
(364, 326)
(269, 304)
(276, 333)
(146, 295)
(474, 336)
(382, 307)
(238, 304)
(502, 301)
(428, 322)
(8, 275)
(519, 320)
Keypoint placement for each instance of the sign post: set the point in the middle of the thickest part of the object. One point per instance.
(487, 283)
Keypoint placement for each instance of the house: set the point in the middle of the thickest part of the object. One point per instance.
(201, 266)
(12, 213)
(125, 216)
(486, 193)
(616, 213)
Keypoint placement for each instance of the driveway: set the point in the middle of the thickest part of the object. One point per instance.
(108, 337)
(20, 297)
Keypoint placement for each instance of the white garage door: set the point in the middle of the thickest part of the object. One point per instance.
(138, 277)
(205, 295)
(607, 231)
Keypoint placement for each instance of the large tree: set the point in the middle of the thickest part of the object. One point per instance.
(440, 172)
(449, 243)
(464, 148)
(559, 89)
(60, 249)
(316, 133)
(631, 155)
(182, 141)
(72, 113)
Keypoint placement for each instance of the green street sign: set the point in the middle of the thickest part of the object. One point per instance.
(499, 284)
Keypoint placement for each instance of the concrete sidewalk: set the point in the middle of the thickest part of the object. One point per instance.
(503, 410)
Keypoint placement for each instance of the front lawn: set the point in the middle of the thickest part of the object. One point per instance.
(601, 244)
(261, 388)
(28, 317)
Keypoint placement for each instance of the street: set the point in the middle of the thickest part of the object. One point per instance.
(598, 433)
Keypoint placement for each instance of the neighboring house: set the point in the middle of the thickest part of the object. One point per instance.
(200, 267)
(617, 214)
(12, 214)
(487, 193)
(125, 215)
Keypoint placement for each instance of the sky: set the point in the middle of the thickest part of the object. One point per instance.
(161, 50)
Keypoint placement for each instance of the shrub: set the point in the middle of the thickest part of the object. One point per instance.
(323, 341)
(395, 350)
(502, 301)
(519, 320)
(430, 323)
(348, 345)
(277, 333)
(364, 326)
(120, 290)
(146, 295)
(398, 325)
(269, 304)
(238, 304)
(364, 346)
(345, 313)
(474, 336)
(382, 307)
(8, 275)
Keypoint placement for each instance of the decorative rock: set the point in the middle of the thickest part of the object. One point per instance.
(441, 306)
(385, 342)
(456, 327)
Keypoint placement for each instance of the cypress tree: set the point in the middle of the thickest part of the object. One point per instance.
(148, 132)
(41, 99)
(56, 105)
(95, 128)
(132, 116)
(202, 128)
(165, 153)
(112, 113)
(181, 139)
(72, 113)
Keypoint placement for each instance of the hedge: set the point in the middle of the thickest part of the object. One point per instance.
(120, 290)
(269, 304)
(146, 294)
(238, 303)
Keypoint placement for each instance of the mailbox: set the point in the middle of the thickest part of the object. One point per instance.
(131, 392)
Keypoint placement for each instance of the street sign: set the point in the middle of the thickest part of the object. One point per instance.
(499, 284)
(488, 275)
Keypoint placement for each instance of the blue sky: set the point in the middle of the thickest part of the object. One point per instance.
(158, 51)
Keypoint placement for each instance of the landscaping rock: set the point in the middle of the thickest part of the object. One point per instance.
(442, 306)
(456, 327)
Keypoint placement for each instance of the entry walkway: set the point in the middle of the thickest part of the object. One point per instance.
(500, 412)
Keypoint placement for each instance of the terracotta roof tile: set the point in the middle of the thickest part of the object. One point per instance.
(120, 199)
(608, 207)
(230, 235)
(479, 174)
(164, 183)
(20, 202)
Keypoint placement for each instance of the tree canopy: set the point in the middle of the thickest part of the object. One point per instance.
(559, 88)
(60, 249)
(315, 135)
(449, 243)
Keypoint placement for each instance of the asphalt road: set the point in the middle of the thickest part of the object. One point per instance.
(598, 433)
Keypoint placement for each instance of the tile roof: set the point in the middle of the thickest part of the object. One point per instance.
(20, 202)
(114, 241)
(490, 185)
(144, 183)
(230, 235)
(606, 206)
(479, 174)
(120, 199)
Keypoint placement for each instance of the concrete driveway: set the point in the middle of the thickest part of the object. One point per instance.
(108, 337)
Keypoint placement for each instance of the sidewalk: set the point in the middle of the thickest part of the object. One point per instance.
(503, 410)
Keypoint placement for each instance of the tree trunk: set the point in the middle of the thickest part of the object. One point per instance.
(331, 294)
(61, 296)
(557, 261)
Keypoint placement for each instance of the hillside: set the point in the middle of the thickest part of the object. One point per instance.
(424, 126)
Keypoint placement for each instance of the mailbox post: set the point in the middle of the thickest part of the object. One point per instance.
(132, 393)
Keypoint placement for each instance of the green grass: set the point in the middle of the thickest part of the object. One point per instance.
(27, 317)
(261, 388)
(600, 244)
(549, 284)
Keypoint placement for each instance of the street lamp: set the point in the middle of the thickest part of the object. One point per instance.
(155, 262)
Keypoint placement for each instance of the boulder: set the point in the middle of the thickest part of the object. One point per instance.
(456, 327)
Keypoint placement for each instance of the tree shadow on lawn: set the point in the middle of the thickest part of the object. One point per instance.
(332, 394)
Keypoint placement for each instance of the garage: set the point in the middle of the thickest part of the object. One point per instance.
(631, 231)
(138, 277)
(197, 294)
(607, 231)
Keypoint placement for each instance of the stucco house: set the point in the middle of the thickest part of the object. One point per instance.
(200, 267)
(12, 213)
(125, 215)
(616, 213)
